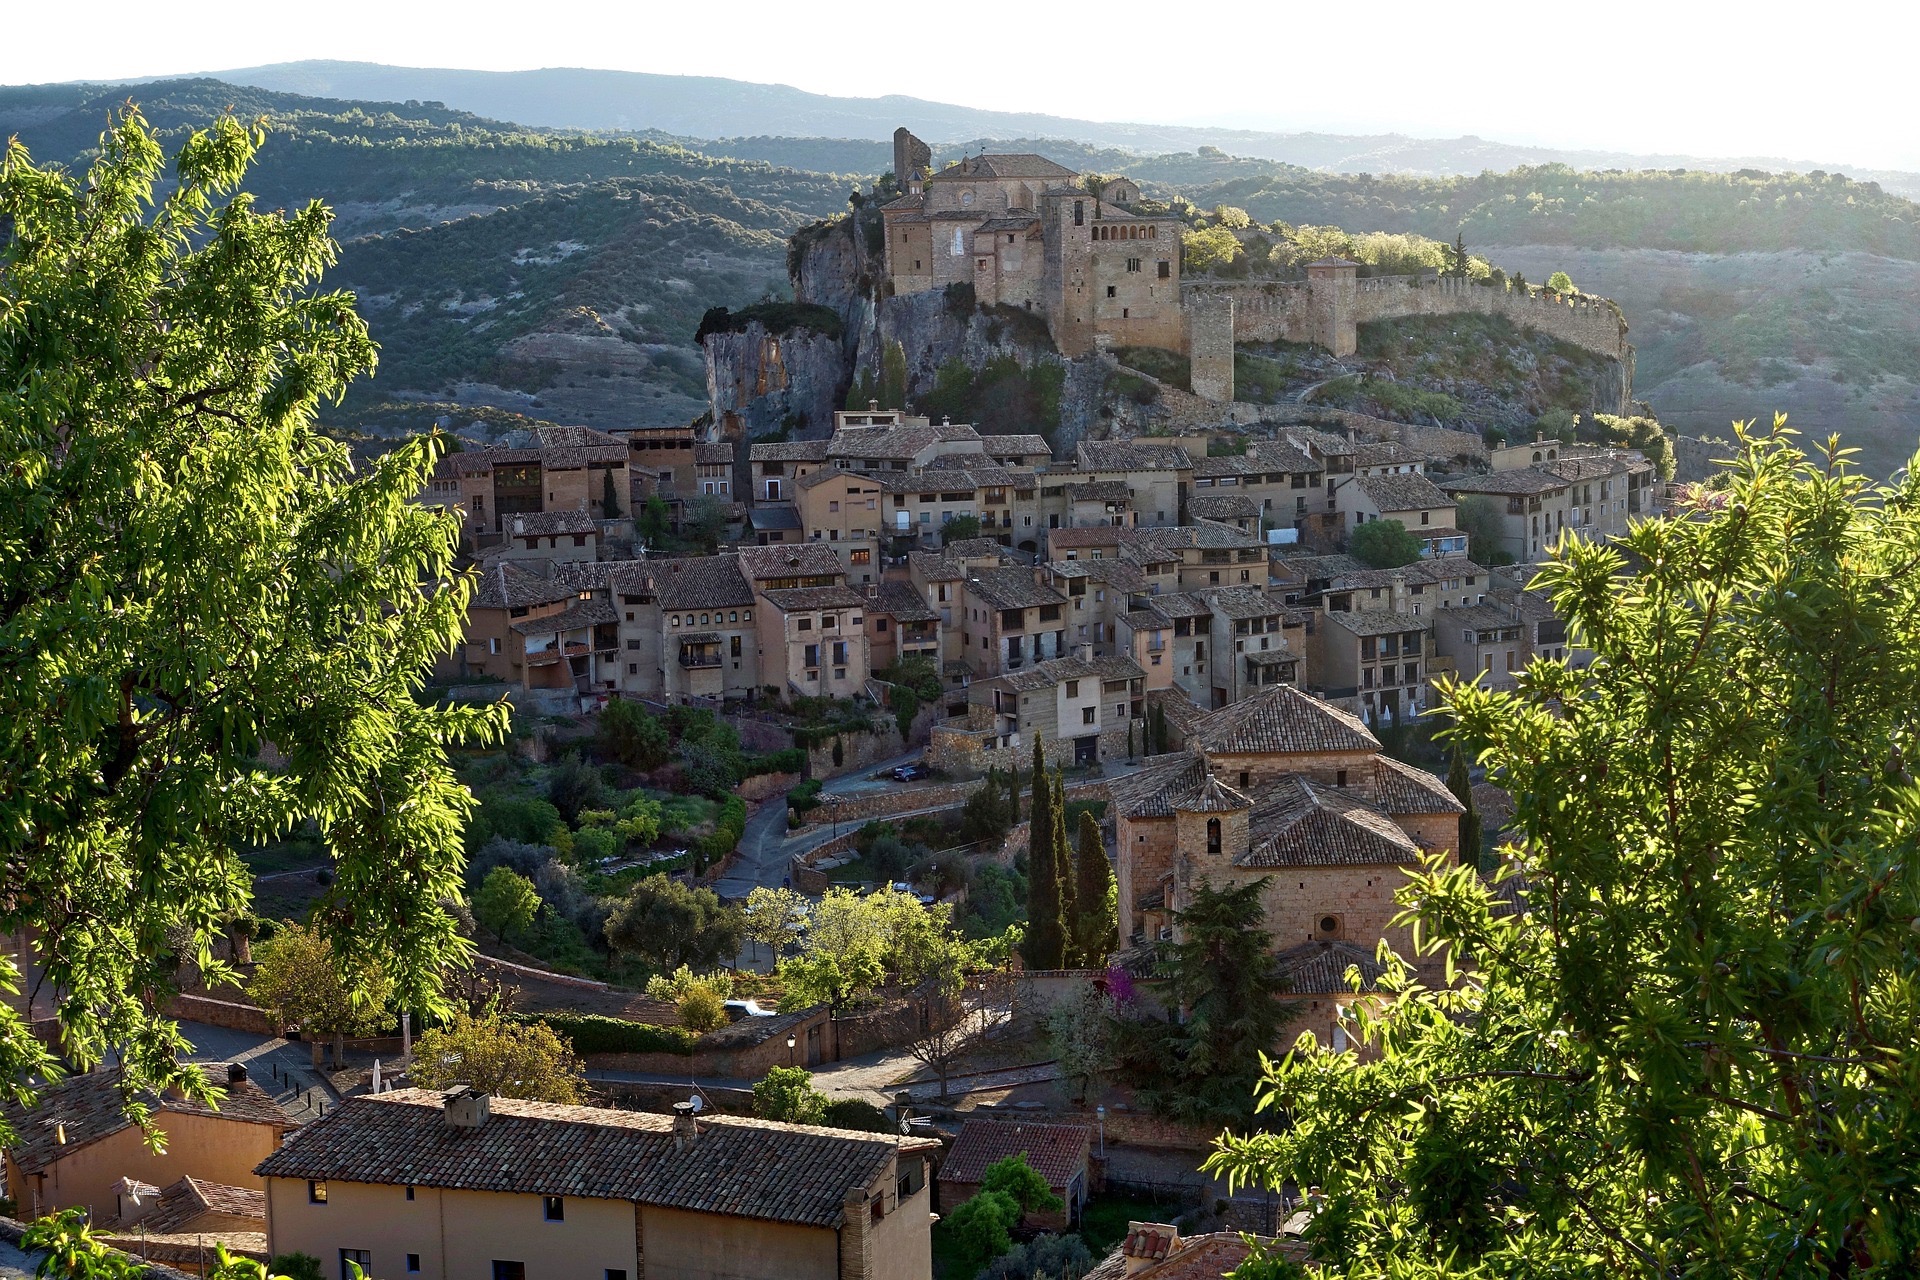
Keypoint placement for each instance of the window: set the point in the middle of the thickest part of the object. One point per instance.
(553, 1208)
(493, 645)
(804, 624)
(1166, 269)
(409, 1193)
(616, 1273)
(1133, 264)
(1079, 214)
(1113, 291)
(316, 1191)
(413, 1263)
(355, 1262)
(1340, 778)
(1213, 836)
(1087, 715)
(812, 656)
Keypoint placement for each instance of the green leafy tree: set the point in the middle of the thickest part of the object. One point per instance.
(296, 1266)
(776, 918)
(1207, 249)
(506, 903)
(1063, 871)
(189, 570)
(655, 521)
(1561, 282)
(1642, 433)
(625, 731)
(74, 1252)
(527, 1060)
(787, 1094)
(302, 979)
(1558, 424)
(704, 521)
(984, 818)
(1383, 544)
(1231, 217)
(1096, 920)
(1046, 941)
(1080, 1031)
(1696, 1053)
(959, 529)
(820, 978)
(667, 923)
(980, 1228)
(701, 1009)
(1480, 518)
(1220, 974)
(1021, 1183)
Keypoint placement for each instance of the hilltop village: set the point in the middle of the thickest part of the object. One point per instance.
(1213, 646)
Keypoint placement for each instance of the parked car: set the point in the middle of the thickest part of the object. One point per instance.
(738, 1009)
(911, 773)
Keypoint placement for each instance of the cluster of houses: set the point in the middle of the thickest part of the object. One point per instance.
(1072, 593)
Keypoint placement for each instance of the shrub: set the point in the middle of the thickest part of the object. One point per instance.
(978, 1230)
(701, 1009)
(632, 736)
(594, 1033)
(787, 1093)
(575, 785)
(591, 844)
(506, 902)
(296, 1266)
(857, 1113)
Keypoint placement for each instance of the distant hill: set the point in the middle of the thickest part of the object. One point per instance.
(712, 107)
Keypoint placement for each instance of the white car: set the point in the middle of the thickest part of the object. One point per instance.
(738, 1009)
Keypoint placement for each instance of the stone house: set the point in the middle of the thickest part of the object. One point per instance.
(1082, 707)
(1009, 620)
(175, 1224)
(457, 1184)
(1097, 502)
(1532, 506)
(1158, 477)
(560, 536)
(1098, 592)
(774, 467)
(1374, 660)
(1387, 458)
(713, 470)
(687, 628)
(577, 648)
(1220, 644)
(76, 1148)
(661, 460)
(920, 503)
(1235, 510)
(1412, 499)
(1284, 788)
(1282, 482)
(564, 469)
(1208, 555)
(1598, 489)
(1091, 543)
(505, 593)
(1060, 1153)
(843, 510)
(901, 624)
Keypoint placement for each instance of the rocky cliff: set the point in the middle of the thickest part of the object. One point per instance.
(761, 383)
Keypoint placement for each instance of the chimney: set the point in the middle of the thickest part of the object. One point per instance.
(856, 1237)
(1147, 1243)
(873, 406)
(236, 1073)
(1084, 652)
(466, 1108)
(685, 1128)
(1400, 597)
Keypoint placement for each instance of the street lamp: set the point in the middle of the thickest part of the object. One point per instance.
(790, 1039)
(1101, 1112)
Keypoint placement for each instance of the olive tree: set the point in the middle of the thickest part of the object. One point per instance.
(213, 619)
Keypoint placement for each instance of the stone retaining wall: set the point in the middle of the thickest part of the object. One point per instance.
(230, 1014)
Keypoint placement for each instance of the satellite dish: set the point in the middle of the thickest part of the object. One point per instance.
(695, 1103)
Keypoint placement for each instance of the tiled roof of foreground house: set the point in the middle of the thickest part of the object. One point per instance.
(700, 582)
(87, 1108)
(503, 586)
(1405, 492)
(1156, 1251)
(192, 1198)
(1055, 1151)
(543, 523)
(1281, 719)
(582, 613)
(735, 1166)
(1045, 675)
(1175, 781)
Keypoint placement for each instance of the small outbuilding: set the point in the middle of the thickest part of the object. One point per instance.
(1060, 1153)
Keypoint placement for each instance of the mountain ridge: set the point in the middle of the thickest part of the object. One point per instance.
(716, 107)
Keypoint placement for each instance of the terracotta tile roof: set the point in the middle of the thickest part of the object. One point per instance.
(1010, 589)
(1323, 443)
(1384, 453)
(1399, 787)
(1207, 1257)
(1279, 455)
(1056, 1151)
(576, 438)
(899, 601)
(718, 454)
(1281, 719)
(1099, 535)
(1526, 480)
(1149, 792)
(789, 451)
(700, 582)
(738, 1167)
(1232, 464)
(1113, 571)
(789, 599)
(1045, 675)
(190, 1199)
(796, 560)
(881, 443)
(1578, 468)
(1126, 455)
(1377, 622)
(89, 1107)
(1150, 1240)
(1240, 603)
(1020, 164)
(1011, 445)
(503, 586)
(1300, 823)
(1324, 568)
(935, 566)
(1222, 506)
(1099, 491)
(1179, 604)
(1206, 535)
(1212, 796)
(1320, 968)
(583, 613)
(1409, 492)
(545, 523)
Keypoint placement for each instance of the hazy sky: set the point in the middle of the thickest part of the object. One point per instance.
(1826, 82)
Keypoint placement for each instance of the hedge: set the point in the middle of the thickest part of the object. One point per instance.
(595, 1033)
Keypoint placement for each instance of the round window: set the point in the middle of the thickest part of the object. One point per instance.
(1329, 924)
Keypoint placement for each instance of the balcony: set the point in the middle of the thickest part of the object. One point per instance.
(699, 658)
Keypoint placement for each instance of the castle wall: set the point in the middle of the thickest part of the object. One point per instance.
(1210, 346)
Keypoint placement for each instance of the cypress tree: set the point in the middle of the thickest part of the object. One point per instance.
(1013, 795)
(1063, 874)
(1460, 782)
(1096, 923)
(1045, 944)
